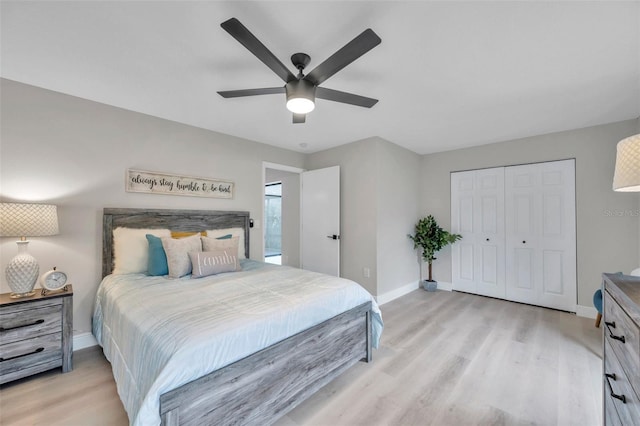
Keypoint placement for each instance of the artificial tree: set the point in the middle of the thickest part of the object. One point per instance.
(431, 238)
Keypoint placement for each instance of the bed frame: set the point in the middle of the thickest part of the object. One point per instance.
(262, 387)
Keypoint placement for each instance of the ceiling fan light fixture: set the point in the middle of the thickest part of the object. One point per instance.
(301, 96)
(300, 105)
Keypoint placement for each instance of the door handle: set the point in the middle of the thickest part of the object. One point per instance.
(333, 237)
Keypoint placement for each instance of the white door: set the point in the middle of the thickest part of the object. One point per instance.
(541, 230)
(477, 213)
(463, 274)
(321, 220)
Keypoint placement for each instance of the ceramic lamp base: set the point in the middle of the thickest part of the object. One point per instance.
(22, 272)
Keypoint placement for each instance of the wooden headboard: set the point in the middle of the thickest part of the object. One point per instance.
(175, 220)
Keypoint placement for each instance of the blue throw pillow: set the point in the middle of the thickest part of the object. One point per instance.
(157, 257)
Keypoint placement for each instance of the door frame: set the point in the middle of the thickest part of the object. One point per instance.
(267, 165)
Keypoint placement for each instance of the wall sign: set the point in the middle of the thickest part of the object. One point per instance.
(166, 184)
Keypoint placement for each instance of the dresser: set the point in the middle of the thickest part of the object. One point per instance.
(621, 360)
(36, 334)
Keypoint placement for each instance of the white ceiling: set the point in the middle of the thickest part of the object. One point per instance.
(447, 74)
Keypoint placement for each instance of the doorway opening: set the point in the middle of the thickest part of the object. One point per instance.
(273, 223)
(281, 214)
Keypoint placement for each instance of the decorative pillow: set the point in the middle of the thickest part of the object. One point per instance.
(131, 249)
(177, 251)
(215, 244)
(236, 232)
(182, 234)
(157, 257)
(213, 262)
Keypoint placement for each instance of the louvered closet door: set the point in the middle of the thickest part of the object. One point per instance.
(541, 234)
(478, 215)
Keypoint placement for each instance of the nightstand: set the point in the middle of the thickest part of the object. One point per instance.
(36, 334)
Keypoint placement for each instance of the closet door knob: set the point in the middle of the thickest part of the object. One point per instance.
(487, 239)
(524, 242)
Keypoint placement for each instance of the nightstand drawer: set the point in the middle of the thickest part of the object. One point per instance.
(36, 334)
(46, 350)
(16, 325)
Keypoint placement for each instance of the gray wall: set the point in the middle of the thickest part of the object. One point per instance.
(358, 207)
(398, 183)
(378, 183)
(72, 152)
(607, 222)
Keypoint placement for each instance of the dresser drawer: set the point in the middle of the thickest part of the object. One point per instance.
(42, 350)
(20, 324)
(622, 334)
(616, 381)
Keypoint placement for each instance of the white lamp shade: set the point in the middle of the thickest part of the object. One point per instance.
(28, 220)
(627, 174)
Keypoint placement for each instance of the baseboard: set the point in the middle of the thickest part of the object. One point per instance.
(586, 311)
(398, 292)
(83, 340)
(443, 285)
(406, 289)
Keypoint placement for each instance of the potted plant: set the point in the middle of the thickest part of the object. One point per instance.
(431, 238)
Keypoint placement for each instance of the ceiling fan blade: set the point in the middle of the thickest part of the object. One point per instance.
(251, 92)
(357, 47)
(299, 118)
(344, 97)
(255, 46)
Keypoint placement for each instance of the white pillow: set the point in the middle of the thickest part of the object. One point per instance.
(214, 244)
(131, 249)
(235, 232)
(177, 251)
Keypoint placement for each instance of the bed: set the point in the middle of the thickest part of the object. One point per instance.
(234, 348)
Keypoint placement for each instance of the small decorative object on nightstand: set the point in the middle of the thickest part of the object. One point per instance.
(25, 220)
(36, 334)
(53, 280)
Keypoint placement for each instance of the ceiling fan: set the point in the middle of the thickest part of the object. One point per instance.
(301, 90)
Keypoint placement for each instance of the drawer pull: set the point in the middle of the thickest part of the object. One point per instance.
(20, 356)
(611, 325)
(40, 321)
(613, 377)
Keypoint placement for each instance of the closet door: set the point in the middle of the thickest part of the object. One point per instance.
(477, 213)
(541, 234)
(463, 273)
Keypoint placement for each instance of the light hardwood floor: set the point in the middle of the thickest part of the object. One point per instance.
(445, 359)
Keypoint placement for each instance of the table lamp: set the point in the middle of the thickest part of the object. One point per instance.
(25, 220)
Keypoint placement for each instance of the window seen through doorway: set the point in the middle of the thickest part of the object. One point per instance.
(273, 225)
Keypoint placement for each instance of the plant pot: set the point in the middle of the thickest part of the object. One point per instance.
(430, 285)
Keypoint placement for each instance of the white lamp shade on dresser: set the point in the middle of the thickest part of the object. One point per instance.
(627, 173)
(25, 220)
